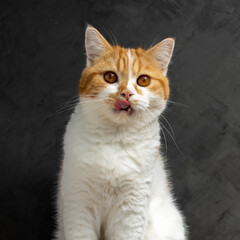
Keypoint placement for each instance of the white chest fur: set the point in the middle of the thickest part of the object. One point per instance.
(93, 152)
(113, 178)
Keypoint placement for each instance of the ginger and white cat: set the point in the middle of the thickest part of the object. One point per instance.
(113, 184)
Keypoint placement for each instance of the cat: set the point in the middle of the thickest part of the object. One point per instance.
(113, 184)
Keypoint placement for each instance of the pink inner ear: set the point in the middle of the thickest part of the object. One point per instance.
(121, 104)
(95, 44)
(162, 52)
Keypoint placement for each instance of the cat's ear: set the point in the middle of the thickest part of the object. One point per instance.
(162, 53)
(95, 44)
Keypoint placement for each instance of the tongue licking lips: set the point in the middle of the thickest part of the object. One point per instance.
(122, 105)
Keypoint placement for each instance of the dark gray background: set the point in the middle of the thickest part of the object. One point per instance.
(42, 56)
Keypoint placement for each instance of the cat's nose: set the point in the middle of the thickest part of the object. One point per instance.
(126, 94)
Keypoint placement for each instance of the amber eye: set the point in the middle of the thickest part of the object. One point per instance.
(143, 80)
(110, 77)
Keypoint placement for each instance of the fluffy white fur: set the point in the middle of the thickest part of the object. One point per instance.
(113, 184)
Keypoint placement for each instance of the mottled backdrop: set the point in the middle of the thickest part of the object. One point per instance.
(42, 56)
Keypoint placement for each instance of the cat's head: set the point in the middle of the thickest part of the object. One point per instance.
(124, 85)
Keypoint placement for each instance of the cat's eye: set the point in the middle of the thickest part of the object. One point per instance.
(110, 77)
(143, 80)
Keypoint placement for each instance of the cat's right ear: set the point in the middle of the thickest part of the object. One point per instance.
(95, 44)
(162, 53)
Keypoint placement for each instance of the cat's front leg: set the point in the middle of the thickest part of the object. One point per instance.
(78, 222)
(165, 221)
(128, 218)
(79, 216)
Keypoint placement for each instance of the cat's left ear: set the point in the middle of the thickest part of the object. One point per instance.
(95, 44)
(162, 53)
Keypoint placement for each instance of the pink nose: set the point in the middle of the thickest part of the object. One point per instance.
(126, 94)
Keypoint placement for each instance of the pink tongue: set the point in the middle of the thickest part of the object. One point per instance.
(121, 104)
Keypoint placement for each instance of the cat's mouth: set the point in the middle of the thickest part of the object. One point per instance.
(123, 105)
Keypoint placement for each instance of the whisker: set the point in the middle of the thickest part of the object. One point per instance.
(115, 40)
(168, 125)
(172, 138)
(145, 117)
(62, 110)
(66, 107)
(154, 40)
(178, 103)
(165, 140)
(65, 119)
(112, 39)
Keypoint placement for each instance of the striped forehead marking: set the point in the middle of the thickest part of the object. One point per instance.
(130, 63)
(130, 77)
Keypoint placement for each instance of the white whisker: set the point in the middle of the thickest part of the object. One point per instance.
(165, 140)
(172, 138)
(168, 125)
(178, 103)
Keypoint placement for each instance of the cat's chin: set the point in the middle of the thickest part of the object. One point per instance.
(127, 111)
(120, 117)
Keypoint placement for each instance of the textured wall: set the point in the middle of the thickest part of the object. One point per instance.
(42, 56)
